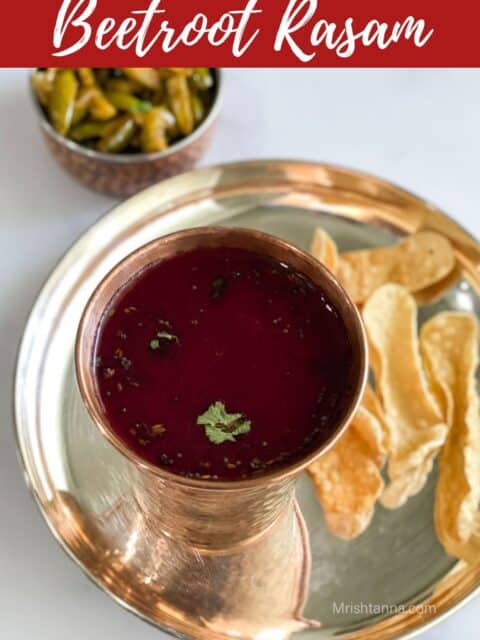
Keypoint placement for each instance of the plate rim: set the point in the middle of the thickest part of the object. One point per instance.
(245, 165)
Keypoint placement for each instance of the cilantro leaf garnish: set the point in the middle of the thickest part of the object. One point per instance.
(221, 426)
(162, 335)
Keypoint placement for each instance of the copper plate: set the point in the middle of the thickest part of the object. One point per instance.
(393, 581)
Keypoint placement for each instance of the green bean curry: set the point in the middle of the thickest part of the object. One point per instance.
(137, 110)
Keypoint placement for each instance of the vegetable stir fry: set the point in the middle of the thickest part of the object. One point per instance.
(125, 110)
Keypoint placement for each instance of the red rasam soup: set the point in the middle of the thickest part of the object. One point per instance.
(222, 364)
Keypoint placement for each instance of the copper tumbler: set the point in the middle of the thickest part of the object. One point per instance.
(242, 528)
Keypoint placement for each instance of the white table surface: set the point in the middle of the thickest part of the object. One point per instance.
(419, 129)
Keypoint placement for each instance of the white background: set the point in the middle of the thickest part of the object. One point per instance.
(419, 129)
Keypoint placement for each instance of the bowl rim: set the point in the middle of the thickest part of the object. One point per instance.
(134, 158)
(86, 381)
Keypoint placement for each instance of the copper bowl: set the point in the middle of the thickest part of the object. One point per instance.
(177, 504)
(126, 174)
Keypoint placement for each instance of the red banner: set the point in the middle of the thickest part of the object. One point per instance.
(255, 33)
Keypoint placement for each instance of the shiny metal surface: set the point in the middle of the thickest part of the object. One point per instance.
(81, 483)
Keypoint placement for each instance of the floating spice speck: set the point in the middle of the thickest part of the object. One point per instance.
(218, 287)
(165, 460)
(165, 335)
(161, 336)
(125, 362)
(158, 429)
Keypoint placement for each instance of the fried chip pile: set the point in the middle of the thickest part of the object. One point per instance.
(425, 401)
(423, 263)
(415, 424)
(416, 263)
(347, 478)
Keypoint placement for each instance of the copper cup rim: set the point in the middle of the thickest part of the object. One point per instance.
(130, 159)
(84, 353)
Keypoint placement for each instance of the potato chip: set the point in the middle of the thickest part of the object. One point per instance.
(415, 425)
(439, 356)
(436, 291)
(324, 249)
(468, 551)
(347, 478)
(416, 263)
(412, 481)
(371, 430)
(372, 404)
(449, 344)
